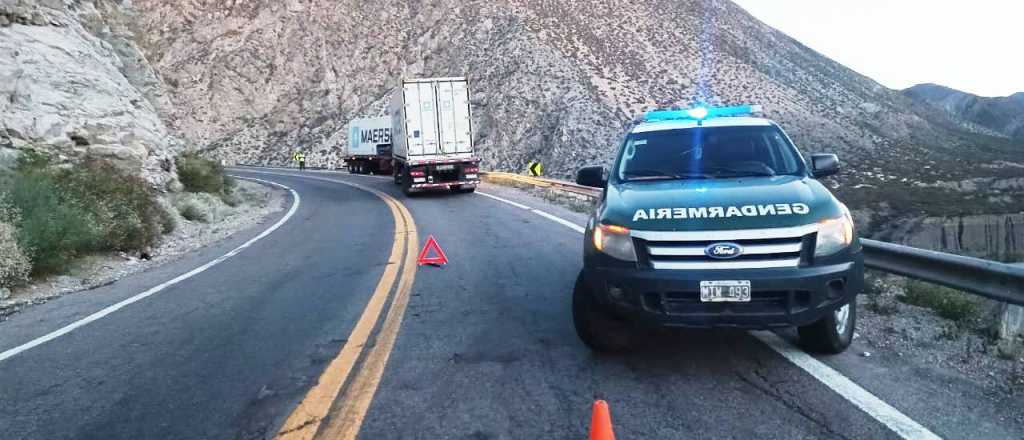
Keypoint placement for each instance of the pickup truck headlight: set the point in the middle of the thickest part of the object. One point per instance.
(614, 241)
(834, 234)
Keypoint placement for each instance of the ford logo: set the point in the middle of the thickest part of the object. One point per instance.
(723, 251)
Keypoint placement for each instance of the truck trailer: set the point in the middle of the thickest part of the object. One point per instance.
(433, 136)
(369, 146)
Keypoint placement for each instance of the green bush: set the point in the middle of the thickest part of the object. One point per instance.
(201, 175)
(51, 230)
(230, 194)
(32, 160)
(123, 207)
(947, 303)
(192, 213)
(91, 207)
(14, 262)
(167, 222)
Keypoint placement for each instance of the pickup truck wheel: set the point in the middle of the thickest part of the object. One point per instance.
(598, 329)
(833, 333)
(465, 190)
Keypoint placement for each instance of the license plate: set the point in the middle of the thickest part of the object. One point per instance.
(725, 291)
(445, 167)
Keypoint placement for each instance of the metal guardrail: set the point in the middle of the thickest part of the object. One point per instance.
(545, 183)
(990, 279)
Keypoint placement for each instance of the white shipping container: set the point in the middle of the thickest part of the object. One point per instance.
(432, 120)
(366, 134)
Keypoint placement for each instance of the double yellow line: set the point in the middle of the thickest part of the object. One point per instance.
(336, 406)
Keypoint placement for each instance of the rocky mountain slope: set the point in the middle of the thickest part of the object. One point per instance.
(1003, 116)
(73, 83)
(252, 81)
(552, 81)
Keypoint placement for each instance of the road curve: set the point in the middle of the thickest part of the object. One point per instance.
(482, 348)
(224, 354)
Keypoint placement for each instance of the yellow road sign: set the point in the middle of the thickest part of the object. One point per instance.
(535, 168)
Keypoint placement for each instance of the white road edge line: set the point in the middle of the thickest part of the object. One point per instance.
(517, 205)
(544, 214)
(884, 413)
(875, 407)
(156, 289)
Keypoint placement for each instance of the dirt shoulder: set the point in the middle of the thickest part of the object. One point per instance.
(967, 347)
(253, 204)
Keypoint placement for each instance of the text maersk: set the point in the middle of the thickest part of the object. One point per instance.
(721, 211)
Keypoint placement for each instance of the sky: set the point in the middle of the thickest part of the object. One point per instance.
(976, 46)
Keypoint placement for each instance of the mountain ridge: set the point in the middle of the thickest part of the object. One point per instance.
(1004, 116)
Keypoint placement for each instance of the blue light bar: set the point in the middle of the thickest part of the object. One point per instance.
(701, 113)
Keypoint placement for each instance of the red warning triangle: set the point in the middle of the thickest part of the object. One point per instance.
(439, 260)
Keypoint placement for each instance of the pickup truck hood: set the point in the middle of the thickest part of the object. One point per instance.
(718, 204)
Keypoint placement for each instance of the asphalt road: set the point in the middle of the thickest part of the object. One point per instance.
(486, 349)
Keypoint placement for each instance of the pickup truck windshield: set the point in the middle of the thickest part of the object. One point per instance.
(708, 153)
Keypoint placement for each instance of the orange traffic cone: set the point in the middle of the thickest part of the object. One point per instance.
(601, 423)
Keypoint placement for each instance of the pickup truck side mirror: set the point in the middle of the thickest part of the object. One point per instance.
(824, 165)
(591, 176)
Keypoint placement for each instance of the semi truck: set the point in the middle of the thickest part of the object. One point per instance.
(369, 146)
(433, 136)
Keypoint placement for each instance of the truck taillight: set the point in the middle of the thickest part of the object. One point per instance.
(417, 173)
(470, 170)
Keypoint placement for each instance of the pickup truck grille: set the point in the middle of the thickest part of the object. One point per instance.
(762, 248)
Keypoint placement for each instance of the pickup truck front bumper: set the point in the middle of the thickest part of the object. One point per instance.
(780, 297)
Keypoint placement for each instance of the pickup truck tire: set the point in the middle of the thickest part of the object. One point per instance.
(831, 334)
(465, 190)
(598, 329)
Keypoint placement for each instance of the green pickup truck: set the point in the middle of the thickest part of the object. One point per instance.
(710, 217)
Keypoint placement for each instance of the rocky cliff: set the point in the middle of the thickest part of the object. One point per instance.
(998, 237)
(73, 83)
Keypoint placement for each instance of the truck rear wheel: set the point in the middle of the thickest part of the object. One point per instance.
(396, 174)
(833, 333)
(599, 330)
(407, 184)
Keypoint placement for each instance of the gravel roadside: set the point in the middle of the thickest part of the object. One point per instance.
(253, 203)
(919, 336)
